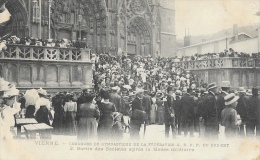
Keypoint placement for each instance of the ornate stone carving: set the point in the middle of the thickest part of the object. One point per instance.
(138, 6)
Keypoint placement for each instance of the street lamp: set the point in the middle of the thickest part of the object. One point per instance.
(80, 18)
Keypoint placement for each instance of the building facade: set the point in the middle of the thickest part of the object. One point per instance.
(130, 26)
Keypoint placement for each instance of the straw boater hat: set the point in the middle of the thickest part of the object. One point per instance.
(11, 92)
(212, 85)
(241, 90)
(225, 84)
(230, 99)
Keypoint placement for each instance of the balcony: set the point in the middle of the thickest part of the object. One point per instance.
(42, 53)
(224, 63)
(53, 68)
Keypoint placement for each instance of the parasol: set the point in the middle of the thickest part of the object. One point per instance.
(31, 96)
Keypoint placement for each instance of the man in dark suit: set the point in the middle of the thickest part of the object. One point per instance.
(242, 107)
(147, 102)
(210, 112)
(187, 112)
(169, 113)
(177, 109)
(253, 113)
(116, 99)
(138, 115)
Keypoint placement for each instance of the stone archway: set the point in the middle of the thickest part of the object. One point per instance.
(19, 19)
(139, 37)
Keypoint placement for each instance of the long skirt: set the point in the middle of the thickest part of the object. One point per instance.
(29, 113)
(87, 129)
(153, 114)
(160, 113)
(42, 115)
(58, 123)
(105, 127)
(71, 128)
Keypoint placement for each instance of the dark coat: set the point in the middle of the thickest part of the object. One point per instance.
(242, 107)
(187, 106)
(169, 107)
(253, 110)
(138, 111)
(177, 106)
(210, 112)
(117, 100)
(147, 102)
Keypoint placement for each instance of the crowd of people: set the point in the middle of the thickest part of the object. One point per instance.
(30, 41)
(227, 53)
(133, 91)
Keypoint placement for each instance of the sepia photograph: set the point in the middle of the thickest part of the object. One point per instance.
(130, 79)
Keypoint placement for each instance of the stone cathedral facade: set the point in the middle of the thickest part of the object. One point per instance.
(142, 27)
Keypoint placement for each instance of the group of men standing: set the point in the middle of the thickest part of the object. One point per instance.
(189, 111)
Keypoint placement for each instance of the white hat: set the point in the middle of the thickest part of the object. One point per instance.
(230, 99)
(139, 90)
(42, 91)
(12, 92)
(225, 84)
(4, 85)
(241, 90)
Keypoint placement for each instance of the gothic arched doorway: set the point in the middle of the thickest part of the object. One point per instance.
(18, 22)
(139, 38)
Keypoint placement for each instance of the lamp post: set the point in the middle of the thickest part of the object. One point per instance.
(80, 20)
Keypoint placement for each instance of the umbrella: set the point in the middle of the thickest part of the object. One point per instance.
(31, 96)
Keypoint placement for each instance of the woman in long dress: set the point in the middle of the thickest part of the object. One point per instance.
(42, 107)
(88, 114)
(160, 107)
(70, 109)
(153, 110)
(106, 120)
(57, 103)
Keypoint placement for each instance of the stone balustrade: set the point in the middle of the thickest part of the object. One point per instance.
(23, 52)
(52, 68)
(225, 62)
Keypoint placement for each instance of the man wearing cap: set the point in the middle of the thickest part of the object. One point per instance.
(225, 89)
(242, 107)
(210, 112)
(116, 99)
(229, 115)
(169, 113)
(187, 112)
(138, 114)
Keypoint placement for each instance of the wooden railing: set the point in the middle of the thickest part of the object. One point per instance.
(43, 53)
